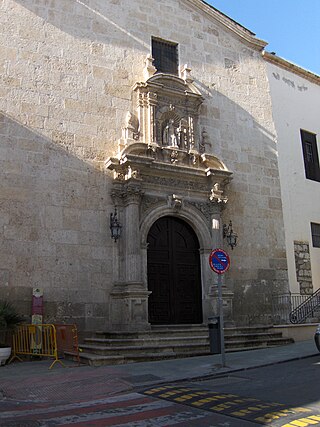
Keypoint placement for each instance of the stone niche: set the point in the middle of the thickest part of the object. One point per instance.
(162, 169)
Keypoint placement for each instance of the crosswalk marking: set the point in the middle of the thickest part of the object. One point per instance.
(247, 408)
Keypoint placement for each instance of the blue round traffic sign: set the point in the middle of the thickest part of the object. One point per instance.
(219, 261)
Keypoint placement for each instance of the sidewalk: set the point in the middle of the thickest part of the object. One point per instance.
(33, 381)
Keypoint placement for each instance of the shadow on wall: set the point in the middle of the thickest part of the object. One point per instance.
(53, 226)
(82, 19)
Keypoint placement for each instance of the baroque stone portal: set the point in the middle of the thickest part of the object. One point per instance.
(162, 169)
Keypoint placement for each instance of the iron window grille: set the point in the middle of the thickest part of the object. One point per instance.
(165, 56)
(310, 155)
(315, 231)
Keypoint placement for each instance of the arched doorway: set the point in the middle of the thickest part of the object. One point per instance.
(174, 273)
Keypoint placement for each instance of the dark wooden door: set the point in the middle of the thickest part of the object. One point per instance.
(174, 273)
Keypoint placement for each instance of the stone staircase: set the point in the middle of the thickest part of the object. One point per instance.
(167, 342)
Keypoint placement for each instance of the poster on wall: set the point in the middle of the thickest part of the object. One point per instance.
(37, 319)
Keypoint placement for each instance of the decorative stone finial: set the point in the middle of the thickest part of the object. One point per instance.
(149, 69)
(186, 74)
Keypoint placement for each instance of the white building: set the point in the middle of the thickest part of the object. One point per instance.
(295, 94)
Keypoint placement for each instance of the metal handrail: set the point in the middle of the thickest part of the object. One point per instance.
(300, 313)
(284, 304)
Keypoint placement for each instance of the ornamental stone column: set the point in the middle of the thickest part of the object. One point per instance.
(128, 303)
(132, 250)
(217, 242)
(213, 214)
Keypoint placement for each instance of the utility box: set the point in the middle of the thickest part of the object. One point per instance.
(214, 334)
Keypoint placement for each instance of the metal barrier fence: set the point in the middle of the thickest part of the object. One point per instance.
(67, 341)
(44, 340)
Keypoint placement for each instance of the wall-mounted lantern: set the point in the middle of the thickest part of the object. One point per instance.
(115, 226)
(230, 235)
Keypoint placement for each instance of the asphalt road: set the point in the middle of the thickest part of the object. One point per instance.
(286, 395)
(294, 383)
(281, 395)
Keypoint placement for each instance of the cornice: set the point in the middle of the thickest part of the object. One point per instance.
(237, 29)
(289, 66)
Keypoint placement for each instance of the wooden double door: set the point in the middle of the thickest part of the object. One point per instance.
(174, 273)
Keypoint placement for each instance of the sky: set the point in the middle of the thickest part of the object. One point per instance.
(291, 27)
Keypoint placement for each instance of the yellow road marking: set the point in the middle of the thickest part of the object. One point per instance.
(248, 408)
(304, 422)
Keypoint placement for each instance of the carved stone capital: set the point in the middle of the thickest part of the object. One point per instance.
(132, 194)
(123, 194)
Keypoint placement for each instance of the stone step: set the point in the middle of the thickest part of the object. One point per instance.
(248, 330)
(179, 330)
(94, 359)
(142, 342)
(99, 360)
(150, 346)
(154, 332)
(172, 342)
(237, 344)
(156, 348)
(253, 336)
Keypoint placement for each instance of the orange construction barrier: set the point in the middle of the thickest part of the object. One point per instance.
(67, 341)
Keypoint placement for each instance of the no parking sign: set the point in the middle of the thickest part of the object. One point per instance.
(219, 261)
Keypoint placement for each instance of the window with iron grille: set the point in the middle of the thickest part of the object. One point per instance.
(310, 155)
(315, 231)
(165, 56)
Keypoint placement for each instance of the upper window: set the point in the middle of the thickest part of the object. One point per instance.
(165, 56)
(310, 155)
(315, 231)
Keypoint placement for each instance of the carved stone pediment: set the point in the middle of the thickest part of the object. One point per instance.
(171, 85)
(171, 168)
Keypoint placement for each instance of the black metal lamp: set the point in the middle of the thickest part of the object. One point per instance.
(115, 226)
(230, 235)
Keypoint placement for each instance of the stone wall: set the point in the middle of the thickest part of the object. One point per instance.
(68, 69)
(303, 267)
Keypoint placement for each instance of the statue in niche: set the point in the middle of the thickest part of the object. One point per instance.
(204, 141)
(170, 135)
(183, 134)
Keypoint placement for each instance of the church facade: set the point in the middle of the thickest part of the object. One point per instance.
(158, 117)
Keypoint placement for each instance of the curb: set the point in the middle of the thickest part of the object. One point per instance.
(226, 373)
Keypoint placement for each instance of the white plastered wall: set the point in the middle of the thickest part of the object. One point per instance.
(296, 105)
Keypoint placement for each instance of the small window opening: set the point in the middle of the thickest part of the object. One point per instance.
(165, 56)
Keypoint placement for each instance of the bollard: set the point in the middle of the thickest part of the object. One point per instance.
(214, 334)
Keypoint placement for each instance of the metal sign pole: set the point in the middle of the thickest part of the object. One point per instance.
(220, 302)
(220, 262)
